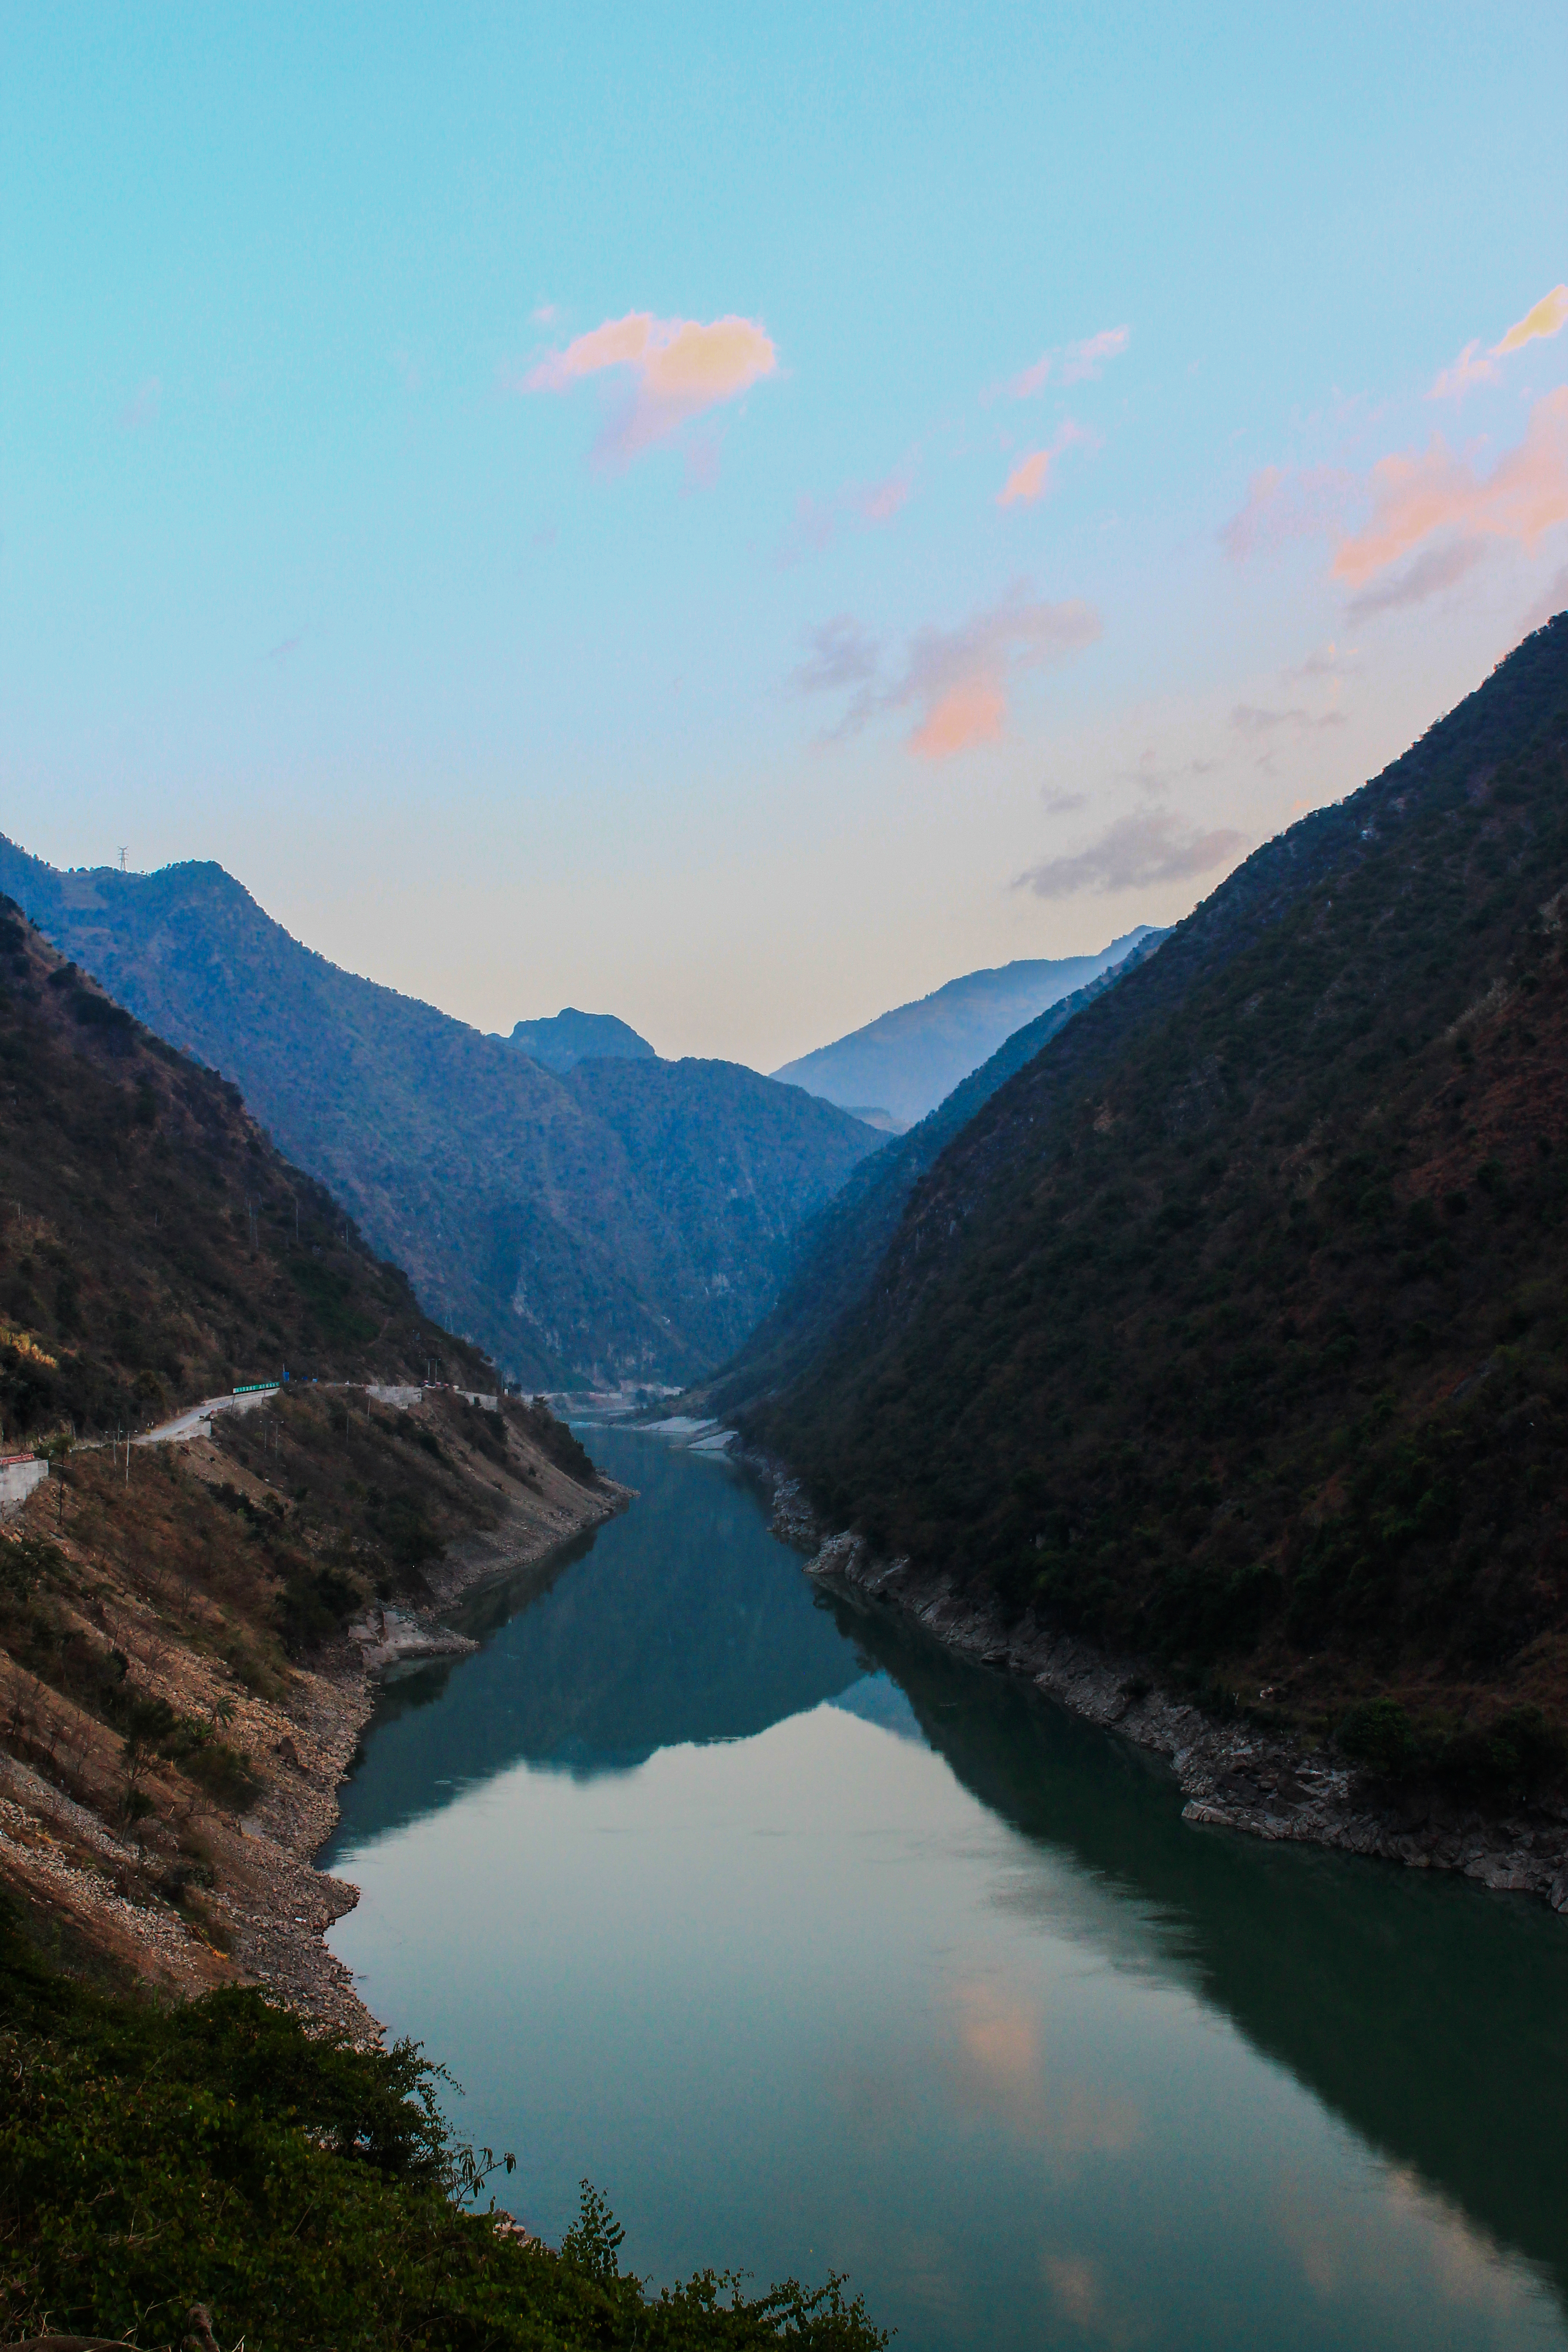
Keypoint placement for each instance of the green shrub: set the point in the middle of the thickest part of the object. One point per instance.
(1379, 1734)
(308, 2193)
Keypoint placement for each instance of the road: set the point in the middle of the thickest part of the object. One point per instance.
(198, 1417)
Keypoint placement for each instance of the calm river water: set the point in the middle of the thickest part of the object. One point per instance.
(816, 1950)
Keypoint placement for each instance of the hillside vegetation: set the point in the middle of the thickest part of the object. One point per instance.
(908, 1061)
(1232, 1330)
(620, 1220)
(153, 1244)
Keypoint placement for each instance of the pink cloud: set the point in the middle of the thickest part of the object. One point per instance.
(1076, 363)
(1549, 316)
(1033, 379)
(1031, 476)
(1466, 371)
(969, 713)
(678, 367)
(1085, 360)
(1525, 494)
(955, 680)
(1028, 480)
(958, 677)
(141, 410)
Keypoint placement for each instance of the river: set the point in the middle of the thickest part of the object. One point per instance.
(816, 1948)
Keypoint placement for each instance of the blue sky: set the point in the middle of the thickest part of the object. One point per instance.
(723, 685)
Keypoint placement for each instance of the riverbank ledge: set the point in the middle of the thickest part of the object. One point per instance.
(1233, 1776)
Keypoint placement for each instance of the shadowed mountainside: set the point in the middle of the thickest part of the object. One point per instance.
(622, 1220)
(153, 1244)
(1232, 1329)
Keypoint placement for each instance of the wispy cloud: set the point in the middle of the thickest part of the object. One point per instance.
(142, 408)
(1072, 363)
(1150, 777)
(679, 369)
(1031, 476)
(1413, 497)
(1548, 317)
(1282, 504)
(1427, 575)
(1328, 661)
(839, 653)
(955, 680)
(1474, 366)
(1471, 367)
(867, 506)
(1137, 851)
(877, 502)
(1249, 719)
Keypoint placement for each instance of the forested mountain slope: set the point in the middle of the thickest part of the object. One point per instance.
(625, 1219)
(907, 1061)
(837, 1254)
(153, 1244)
(1232, 1330)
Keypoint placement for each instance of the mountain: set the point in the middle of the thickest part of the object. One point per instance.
(1231, 1332)
(572, 1037)
(908, 1061)
(153, 1244)
(837, 1251)
(625, 1219)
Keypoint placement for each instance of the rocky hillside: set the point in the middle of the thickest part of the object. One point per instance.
(908, 1061)
(619, 1219)
(1232, 1330)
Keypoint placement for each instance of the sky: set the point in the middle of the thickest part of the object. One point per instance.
(734, 516)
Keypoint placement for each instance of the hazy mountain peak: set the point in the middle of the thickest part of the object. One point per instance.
(909, 1060)
(572, 1037)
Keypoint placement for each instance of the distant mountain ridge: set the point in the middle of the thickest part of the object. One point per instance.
(908, 1061)
(572, 1037)
(836, 1253)
(625, 1219)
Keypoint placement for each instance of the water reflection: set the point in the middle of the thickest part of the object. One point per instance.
(1431, 2015)
(967, 2009)
(687, 1622)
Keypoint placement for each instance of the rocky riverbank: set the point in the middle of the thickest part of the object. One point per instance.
(1233, 1776)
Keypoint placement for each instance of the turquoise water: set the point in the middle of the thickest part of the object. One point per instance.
(814, 1948)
